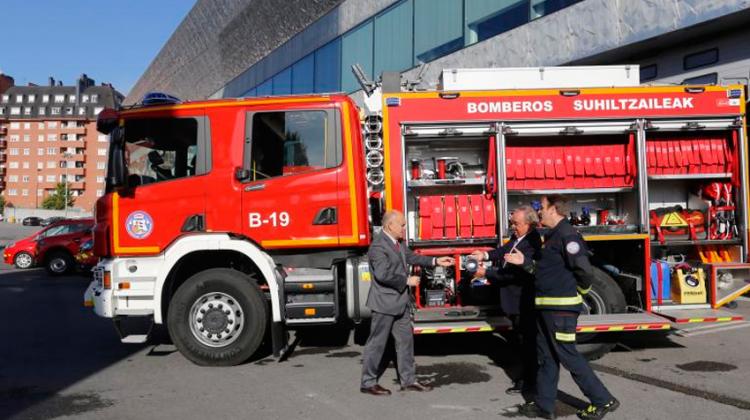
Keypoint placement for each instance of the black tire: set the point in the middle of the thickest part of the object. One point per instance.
(247, 315)
(23, 260)
(59, 263)
(605, 297)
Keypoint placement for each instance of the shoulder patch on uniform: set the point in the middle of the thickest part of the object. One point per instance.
(572, 247)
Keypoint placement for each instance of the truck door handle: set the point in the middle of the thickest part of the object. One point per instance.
(256, 187)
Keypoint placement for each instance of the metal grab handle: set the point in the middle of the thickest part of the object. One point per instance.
(256, 187)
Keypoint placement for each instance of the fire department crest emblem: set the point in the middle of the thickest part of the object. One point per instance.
(139, 224)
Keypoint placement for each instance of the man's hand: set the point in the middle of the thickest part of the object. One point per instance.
(478, 255)
(445, 261)
(412, 281)
(481, 271)
(515, 257)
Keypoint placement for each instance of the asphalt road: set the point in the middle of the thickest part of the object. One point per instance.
(58, 360)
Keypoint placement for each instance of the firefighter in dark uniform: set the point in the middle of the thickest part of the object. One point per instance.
(562, 275)
(517, 294)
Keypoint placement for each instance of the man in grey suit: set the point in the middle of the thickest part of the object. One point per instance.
(389, 301)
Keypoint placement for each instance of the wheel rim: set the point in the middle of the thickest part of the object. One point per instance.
(593, 304)
(23, 260)
(216, 319)
(58, 265)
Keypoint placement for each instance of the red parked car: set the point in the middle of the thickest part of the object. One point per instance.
(53, 247)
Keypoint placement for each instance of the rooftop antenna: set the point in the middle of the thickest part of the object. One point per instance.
(366, 84)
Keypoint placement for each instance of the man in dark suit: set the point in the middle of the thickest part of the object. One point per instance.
(389, 301)
(517, 293)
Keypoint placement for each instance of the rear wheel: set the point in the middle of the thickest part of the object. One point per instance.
(218, 317)
(23, 260)
(59, 263)
(605, 297)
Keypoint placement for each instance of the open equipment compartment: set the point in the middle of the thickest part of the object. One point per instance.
(695, 202)
(593, 163)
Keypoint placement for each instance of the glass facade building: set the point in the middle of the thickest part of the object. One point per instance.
(400, 37)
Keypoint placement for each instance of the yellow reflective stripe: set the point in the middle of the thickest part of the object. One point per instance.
(567, 337)
(583, 291)
(554, 301)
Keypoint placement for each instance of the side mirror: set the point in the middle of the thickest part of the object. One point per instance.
(117, 172)
(241, 174)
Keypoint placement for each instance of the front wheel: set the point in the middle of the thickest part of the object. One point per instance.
(217, 317)
(23, 260)
(605, 297)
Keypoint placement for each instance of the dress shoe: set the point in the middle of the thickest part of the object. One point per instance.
(516, 388)
(531, 410)
(376, 390)
(416, 386)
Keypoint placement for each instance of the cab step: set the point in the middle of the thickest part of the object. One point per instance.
(134, 329)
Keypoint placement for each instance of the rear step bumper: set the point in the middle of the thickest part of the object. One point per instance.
(689, 316)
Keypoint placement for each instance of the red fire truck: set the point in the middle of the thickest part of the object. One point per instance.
(236, 220)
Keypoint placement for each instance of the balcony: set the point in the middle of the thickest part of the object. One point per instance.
(2, 171)
(3, 157)
(2, 185)
(3, 131)
(73, 171)
(72, 143)
(74, 130)
(3, 144)
(77, 185)
(77, 158)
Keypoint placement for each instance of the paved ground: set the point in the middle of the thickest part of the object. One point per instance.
(58, 360)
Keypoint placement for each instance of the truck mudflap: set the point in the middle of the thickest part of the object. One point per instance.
(681, 316)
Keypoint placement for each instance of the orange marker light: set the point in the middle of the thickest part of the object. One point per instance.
(309, 311)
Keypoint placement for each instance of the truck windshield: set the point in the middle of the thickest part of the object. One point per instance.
(159, 149)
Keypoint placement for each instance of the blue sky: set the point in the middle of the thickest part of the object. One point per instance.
(111, 41)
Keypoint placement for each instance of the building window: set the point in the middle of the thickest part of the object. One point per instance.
(51, 137)
(13, 165)
(12, 192)
(26, 152)
(39, 193)
(100, 179)
(648, 72)
(13, 178)
(101, 152)
(14, 138)
(68, 110)
(25, 178)
(27, 126)
(2, 110)
(42, 110)
(97, 110)
(82, 110)
(31, 98)
(40, 125)
(303, 77)
(39, 178)
(485, 19)
(700, 59)
(6, 98)
(15, 110)
(94, 98)
(84, 99)
(394, 39)
(15, 125)
(101, 165)
(40, 165)
(55, 110)
(99, 193)
(51, 164)
(40, 151)
(14, 151)
(438, 28)
(45, 99)
(101, 138)
(51, 124)
(52, 150)
(26, 165)
(71, 98)
(24, 192)
(27, 137)
(327, 67)
(19, 98)
(704, 79)
(40, 137)
(356, 48)
(59, 99)
(51, 178)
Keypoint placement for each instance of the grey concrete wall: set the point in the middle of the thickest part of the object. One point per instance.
(219, 39)
(585, 29)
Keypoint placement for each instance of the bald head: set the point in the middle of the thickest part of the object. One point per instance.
(394, 224)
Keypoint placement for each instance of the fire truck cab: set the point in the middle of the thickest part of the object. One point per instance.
(230, 219)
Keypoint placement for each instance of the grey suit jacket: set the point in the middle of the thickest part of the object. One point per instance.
(389, 293)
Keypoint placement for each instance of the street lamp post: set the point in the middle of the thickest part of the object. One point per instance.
(66, 156)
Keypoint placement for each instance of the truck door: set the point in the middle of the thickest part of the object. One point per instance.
(290, 197)
(165, 157)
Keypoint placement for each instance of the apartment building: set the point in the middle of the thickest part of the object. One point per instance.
(48, 135)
